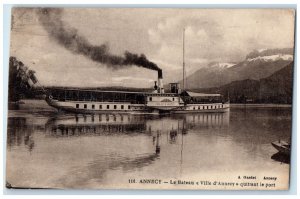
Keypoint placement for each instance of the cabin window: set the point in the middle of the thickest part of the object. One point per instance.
(77, 105)
(150, 98)
(128, 106)
(122, 106)
(93, 106)
(107, 107)
(198, 107)
(100, 106)
(194, 108)
(173, 99)
(85, 105)
(115, 106)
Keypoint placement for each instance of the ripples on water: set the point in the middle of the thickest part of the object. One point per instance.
(56, 150)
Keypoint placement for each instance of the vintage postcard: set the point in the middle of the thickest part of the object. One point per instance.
(150, 98)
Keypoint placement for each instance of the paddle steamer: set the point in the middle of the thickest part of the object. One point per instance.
(155, 102)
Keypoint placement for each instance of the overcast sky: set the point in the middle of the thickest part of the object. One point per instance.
(222, 35)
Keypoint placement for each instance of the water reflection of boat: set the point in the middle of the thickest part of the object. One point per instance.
(282, 146)
(21, 130)
(173, 136)
(69, 125)
(186, 122)
(75, 125)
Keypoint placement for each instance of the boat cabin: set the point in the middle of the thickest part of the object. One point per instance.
(98, 96)
(200, 98)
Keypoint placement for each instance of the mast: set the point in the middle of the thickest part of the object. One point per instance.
(183, 64)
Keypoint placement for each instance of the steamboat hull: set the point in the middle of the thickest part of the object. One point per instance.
(219, 110)
(96, 101)
(203, 108)
(87, 107)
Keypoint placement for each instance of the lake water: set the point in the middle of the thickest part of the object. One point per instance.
(47, 149)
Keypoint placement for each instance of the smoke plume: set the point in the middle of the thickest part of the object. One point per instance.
(68, 37)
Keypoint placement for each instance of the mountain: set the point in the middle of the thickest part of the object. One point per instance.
(205, 77)
(268, 52)
(277, 88)
(257, 65)
(221, 65)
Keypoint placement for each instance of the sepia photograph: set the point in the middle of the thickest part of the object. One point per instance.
(150, 98)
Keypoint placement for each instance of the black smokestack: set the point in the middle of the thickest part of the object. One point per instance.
(160, 76)
(68, 37)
